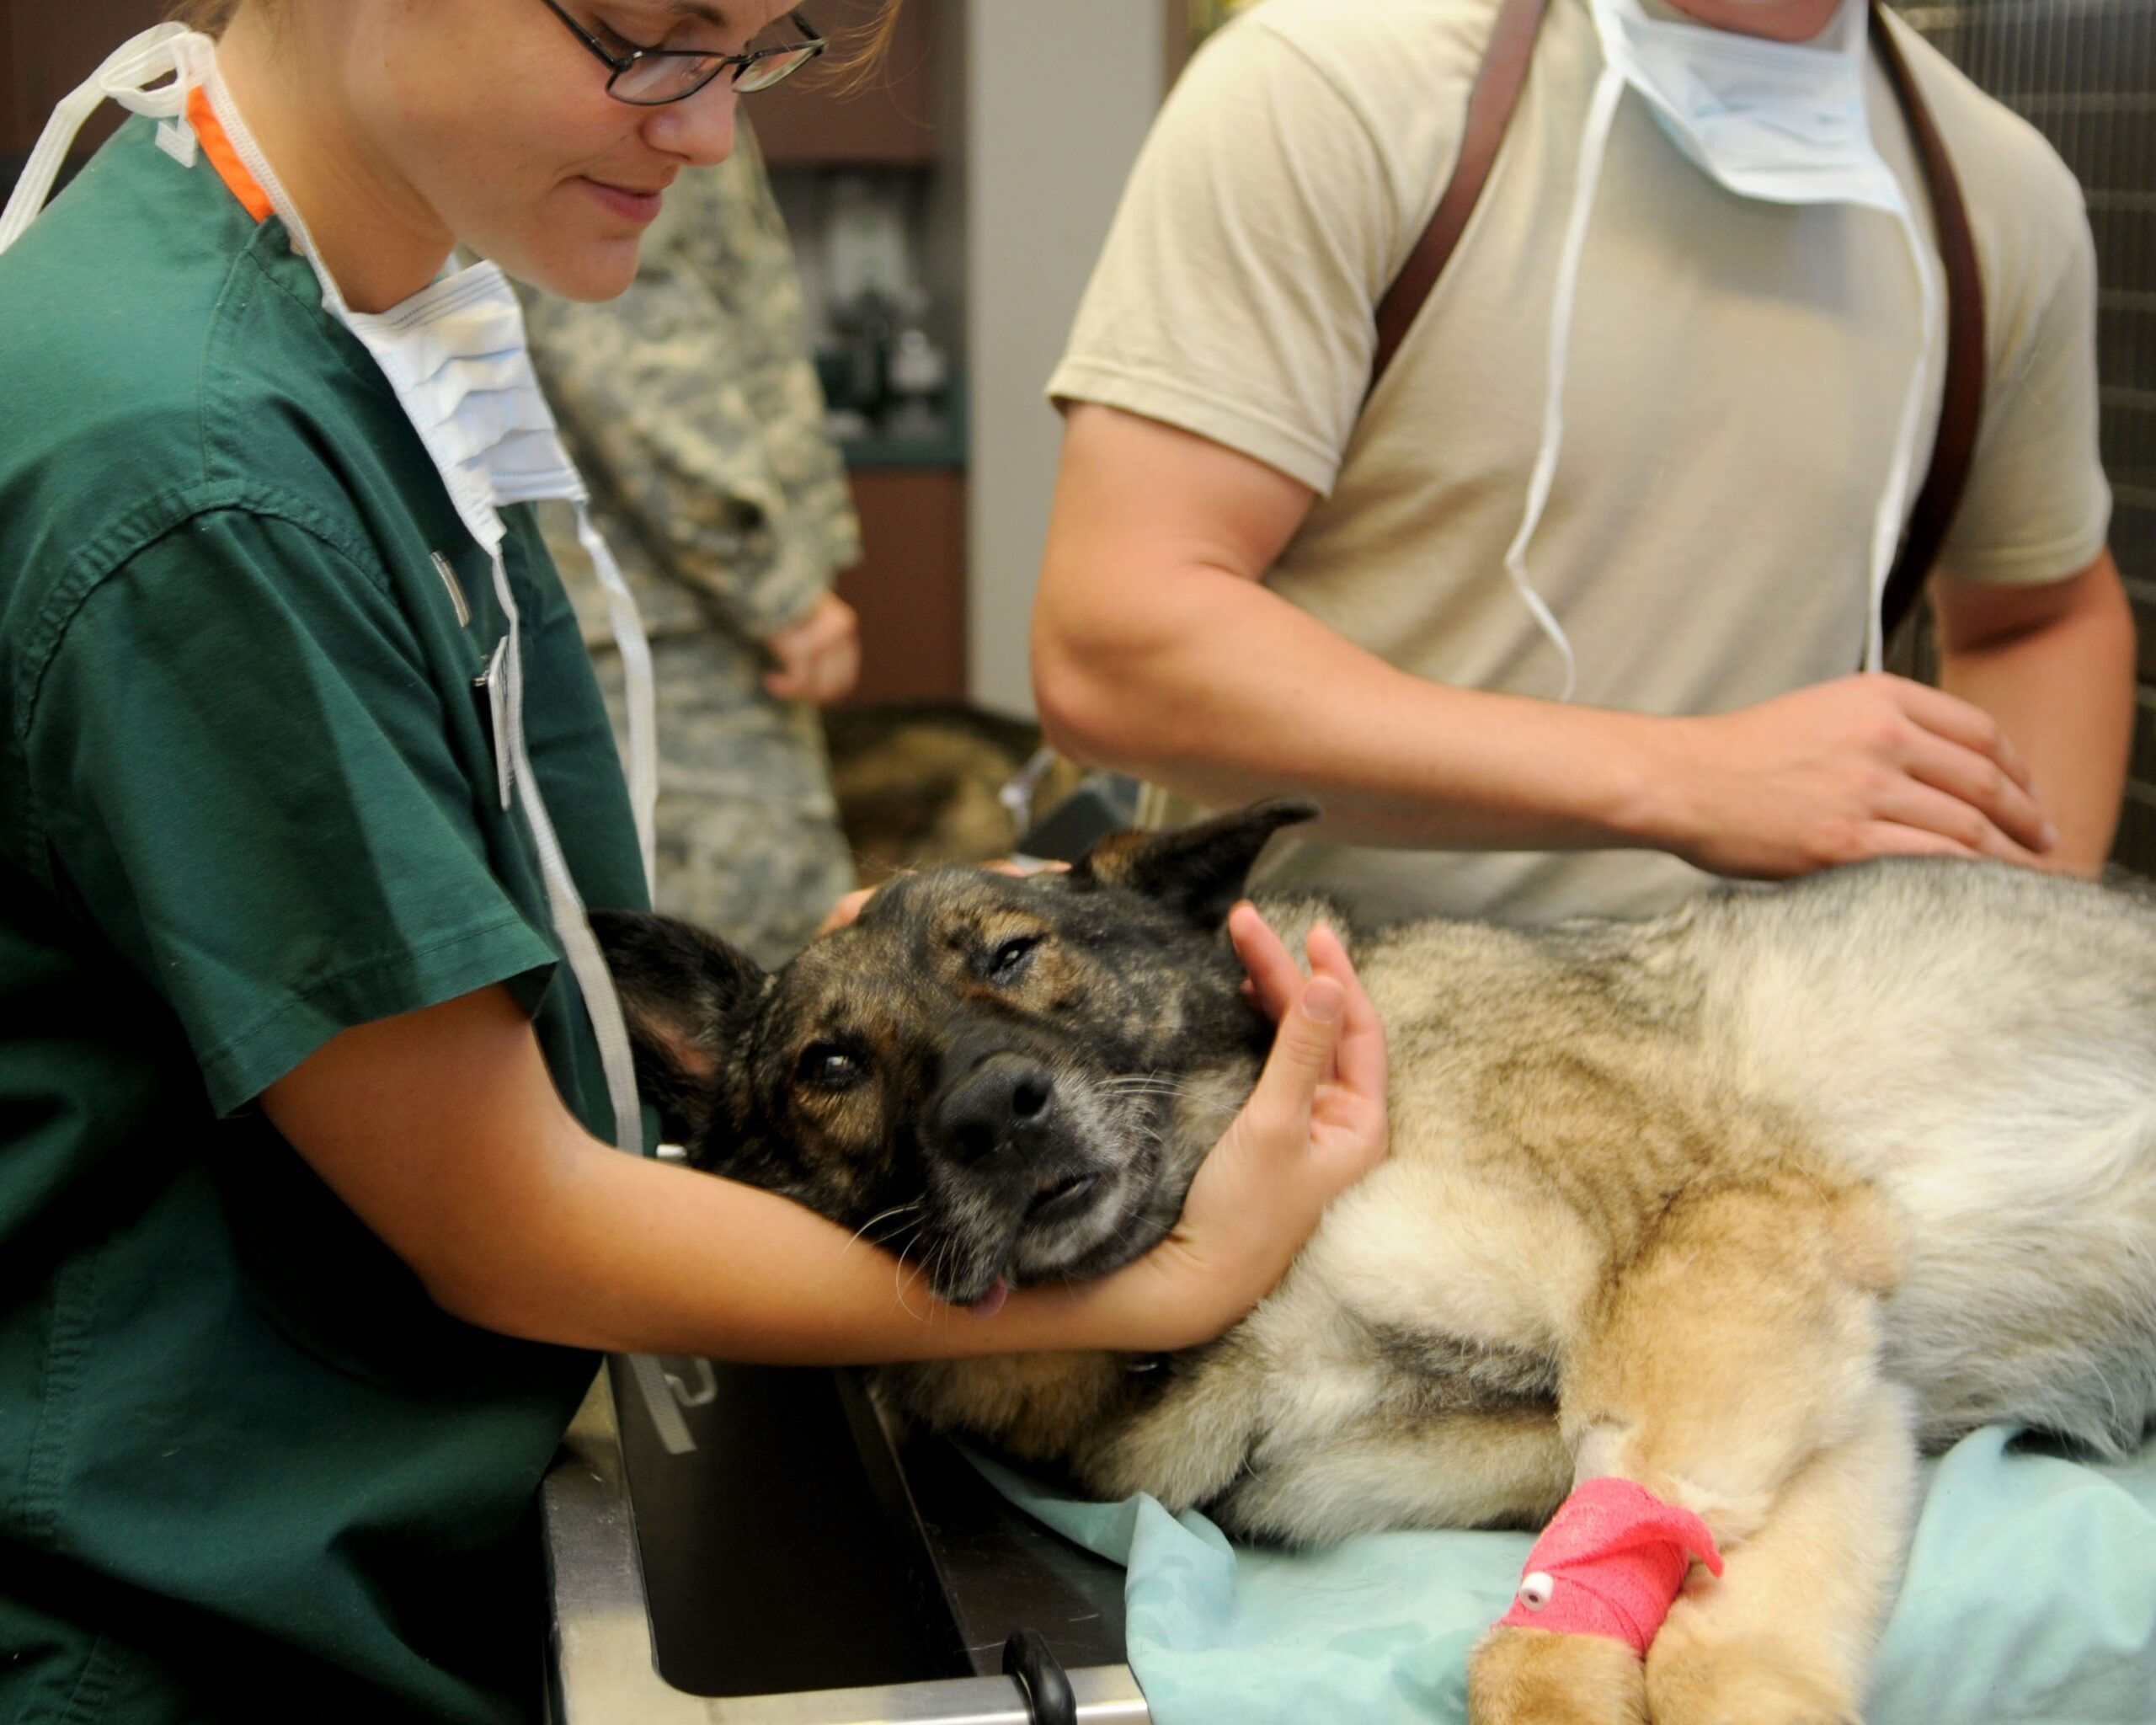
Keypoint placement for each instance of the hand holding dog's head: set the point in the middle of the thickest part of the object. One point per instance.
(1024, 1073)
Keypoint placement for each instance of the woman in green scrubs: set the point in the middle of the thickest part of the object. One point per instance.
(308, 1221)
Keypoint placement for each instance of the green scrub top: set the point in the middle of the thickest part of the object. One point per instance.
(248, 798)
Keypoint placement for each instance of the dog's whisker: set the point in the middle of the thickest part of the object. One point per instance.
(897, 1232)
(938, 1261)
(899, 1280)
(896, 1209)
(1141, 1083)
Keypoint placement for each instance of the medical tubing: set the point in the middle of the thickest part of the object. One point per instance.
(1593, 144)
(638, 692)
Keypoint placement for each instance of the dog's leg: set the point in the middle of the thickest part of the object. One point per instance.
(1530, 1677)
(1507, 1467)
(1785, 1637)
(1733, 1342)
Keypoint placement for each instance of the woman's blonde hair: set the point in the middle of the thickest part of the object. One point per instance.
(861, 49)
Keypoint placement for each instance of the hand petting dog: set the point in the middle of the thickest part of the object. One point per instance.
(1314, 1126)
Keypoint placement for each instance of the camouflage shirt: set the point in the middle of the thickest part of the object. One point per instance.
(692, 407)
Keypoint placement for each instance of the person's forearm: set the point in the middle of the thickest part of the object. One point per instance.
(1224, 692)
(623, 1255)
(442, 1128)
(2065, 694)
(1157, 649)
(443, 1131)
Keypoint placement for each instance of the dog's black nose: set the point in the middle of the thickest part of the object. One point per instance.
(1005, 1100)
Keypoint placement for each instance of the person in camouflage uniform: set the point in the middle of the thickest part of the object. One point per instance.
(692, 406)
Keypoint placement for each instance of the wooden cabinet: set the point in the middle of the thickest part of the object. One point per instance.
(45, 50)
(883, 115)
(910, 585)
(898, 112)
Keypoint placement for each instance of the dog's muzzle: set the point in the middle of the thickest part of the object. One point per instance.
(1006, 1137)
(1006, 1103)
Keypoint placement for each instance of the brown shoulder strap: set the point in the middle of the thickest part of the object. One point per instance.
(1489, 111)
(1961, 407)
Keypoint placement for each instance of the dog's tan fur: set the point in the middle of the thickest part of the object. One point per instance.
(1744, 1203)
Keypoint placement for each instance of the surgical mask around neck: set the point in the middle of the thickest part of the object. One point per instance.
(1784, 122)
(455, 356)
(1775, 122)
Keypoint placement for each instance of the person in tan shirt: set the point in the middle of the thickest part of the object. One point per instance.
(1256, 581)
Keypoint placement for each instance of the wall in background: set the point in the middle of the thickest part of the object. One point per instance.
(1059, 98)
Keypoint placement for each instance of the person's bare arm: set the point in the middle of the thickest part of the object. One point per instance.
(442, 1128)
(1157, 650)
(2054, 665)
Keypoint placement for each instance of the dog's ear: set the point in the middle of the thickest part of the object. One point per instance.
(680, 988)
(1197, 872)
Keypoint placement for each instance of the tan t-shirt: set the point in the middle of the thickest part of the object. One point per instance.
(1736, 375)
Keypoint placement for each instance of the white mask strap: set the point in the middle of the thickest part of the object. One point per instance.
(594, 981)
(635, 649)
(168, 51)
(1593, 143)
(257, 164)
(1887, 526)
(586, 962)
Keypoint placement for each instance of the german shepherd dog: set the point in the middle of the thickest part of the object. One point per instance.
(1747, 1203)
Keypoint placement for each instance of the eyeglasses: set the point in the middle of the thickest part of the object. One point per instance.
(651, 77)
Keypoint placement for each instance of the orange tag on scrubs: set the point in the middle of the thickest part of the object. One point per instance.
(223, 157)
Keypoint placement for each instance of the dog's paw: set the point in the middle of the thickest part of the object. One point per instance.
(1519, 1676)
(1693, 1681)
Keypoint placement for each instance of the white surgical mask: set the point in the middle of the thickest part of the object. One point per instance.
(1779, 122)
(455, 353)
(1784, 122)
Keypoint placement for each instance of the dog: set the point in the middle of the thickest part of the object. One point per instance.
(921, 782)
(1747, 1203)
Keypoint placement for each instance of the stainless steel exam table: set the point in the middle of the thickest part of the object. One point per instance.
(802, 1565)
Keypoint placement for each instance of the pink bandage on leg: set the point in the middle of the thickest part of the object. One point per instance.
(1610, 1563)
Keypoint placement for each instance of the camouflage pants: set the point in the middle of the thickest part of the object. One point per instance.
(748, 834)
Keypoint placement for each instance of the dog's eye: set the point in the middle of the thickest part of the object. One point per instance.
(830, 1065)
(1008, 962)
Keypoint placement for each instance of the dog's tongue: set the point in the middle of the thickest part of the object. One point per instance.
(991, 1302)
